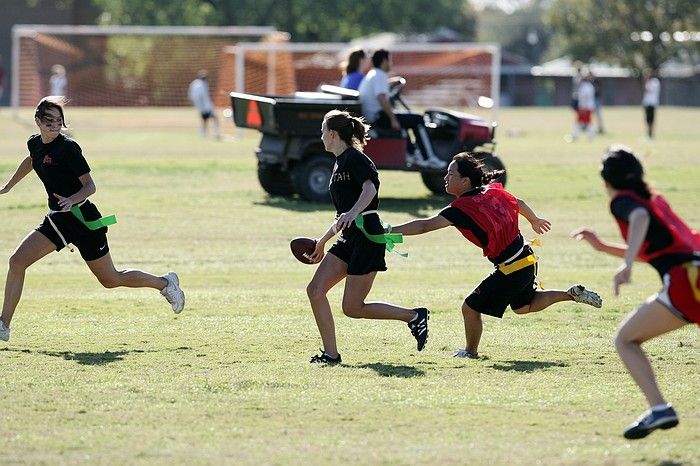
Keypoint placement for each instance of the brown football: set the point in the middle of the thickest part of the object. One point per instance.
(302, 248)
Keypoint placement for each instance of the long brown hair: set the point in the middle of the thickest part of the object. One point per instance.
(351, 129)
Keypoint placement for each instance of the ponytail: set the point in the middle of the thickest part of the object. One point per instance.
(351, 129)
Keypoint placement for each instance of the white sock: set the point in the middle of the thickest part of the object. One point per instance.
(661, 407)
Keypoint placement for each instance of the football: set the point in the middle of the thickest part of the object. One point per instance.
(302, 248)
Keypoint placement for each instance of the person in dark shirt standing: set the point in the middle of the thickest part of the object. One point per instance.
(655, 234)
(354, 189)
(487, 215)
(72, 218)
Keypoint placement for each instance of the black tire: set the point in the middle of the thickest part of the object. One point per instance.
(492, 162)
(434, 181)
(274, 180)
(312, 177)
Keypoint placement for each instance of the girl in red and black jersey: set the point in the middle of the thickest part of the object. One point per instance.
(655, 234)
(487, 215)
(72, 218)
(354, 189)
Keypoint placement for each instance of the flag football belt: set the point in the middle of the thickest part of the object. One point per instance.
(507, 267)
(527, 261)
(89, 224)
(388, 239)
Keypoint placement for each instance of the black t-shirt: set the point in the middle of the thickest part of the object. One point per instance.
(352, 168)
(658, 236)
(59, 165)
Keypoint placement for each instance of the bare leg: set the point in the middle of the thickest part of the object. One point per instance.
(32, 248)
(357, 288)
(110, 277)
(543, 299)
(473, 328)
(329, 272)
(648, 321)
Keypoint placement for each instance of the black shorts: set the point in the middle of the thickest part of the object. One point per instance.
(498, 291)
(362, 255)
(92, 244)
(649, 111)
(207, 115)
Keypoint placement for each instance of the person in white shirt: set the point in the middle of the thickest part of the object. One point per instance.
(198, 93)
(650, 100)
(586, 105)
(377, 110)
(58, 80)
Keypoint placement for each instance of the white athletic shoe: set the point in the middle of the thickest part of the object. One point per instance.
(581, 295)
(172, 292)
(464, 353)
(4, 332)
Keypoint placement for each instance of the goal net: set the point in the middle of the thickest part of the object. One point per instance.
(122, 65)
(437, 74)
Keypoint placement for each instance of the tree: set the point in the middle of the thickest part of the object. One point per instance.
(636, 33)
(306, 20)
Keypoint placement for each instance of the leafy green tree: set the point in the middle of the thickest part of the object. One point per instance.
(306, 20)
(156, 12)
(614, 30)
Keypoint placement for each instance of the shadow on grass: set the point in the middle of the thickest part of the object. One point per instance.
(87, 358)
(388, 370)
(411, 207)
(670, 463)
(527, 366)
(90, 359)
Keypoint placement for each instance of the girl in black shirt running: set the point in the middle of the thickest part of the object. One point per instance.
(354, 189)
(72, 218)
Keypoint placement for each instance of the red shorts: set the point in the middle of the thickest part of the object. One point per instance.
(681, 291)
(583, 116)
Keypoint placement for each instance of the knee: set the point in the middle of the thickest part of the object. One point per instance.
(17, 262)
(109, 281)
(470, 314)
(622, 338)
(314, 290)
(352, 310)
(522, 310)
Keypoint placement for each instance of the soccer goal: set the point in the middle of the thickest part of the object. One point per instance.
(437, 74)
(122, 65)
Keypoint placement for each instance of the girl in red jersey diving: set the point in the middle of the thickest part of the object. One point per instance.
(487, 215)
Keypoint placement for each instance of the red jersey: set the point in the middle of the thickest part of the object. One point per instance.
(487, 217)
(682, 239)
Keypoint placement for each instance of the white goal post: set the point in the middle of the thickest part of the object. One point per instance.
(59, 39)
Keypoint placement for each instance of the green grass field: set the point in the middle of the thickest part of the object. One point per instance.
(95, 376)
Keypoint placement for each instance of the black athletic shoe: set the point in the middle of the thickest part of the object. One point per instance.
(324, 358)
(419, 327)
(651, 420)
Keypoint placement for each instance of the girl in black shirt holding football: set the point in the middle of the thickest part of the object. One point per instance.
(354, 189)
(654, 234)
(72, 218)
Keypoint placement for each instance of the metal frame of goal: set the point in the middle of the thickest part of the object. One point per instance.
(20, 31)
